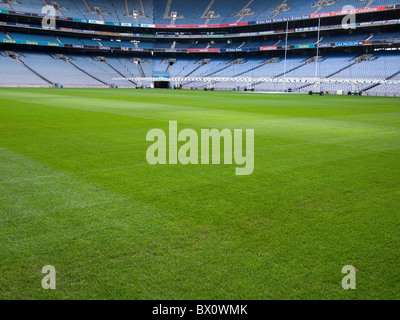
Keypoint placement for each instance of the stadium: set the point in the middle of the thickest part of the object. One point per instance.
(311, 86)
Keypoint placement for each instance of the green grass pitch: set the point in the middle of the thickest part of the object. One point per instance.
(77, 193)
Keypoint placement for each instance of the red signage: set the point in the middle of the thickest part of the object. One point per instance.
(203, 50)
(269, 48)
(343, 13)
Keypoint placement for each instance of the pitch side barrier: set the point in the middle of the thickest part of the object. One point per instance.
(259, 80)
(208, 26)
(358, 87)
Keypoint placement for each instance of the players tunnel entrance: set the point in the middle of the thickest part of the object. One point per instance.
(161, 84)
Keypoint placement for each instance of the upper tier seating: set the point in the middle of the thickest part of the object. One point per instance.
(194, 12)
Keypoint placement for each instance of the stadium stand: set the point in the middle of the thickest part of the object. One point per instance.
(145, 44)
(82, 70)
(31, 37)
(57, 70)
(343, 38)
(70, 40)
(93, 68)
(387, 35)
(3, 36)
(124, 66)
(26, 6)
(184, 67)
(13, 73)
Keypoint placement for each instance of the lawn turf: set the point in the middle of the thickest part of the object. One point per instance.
(77, 193)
